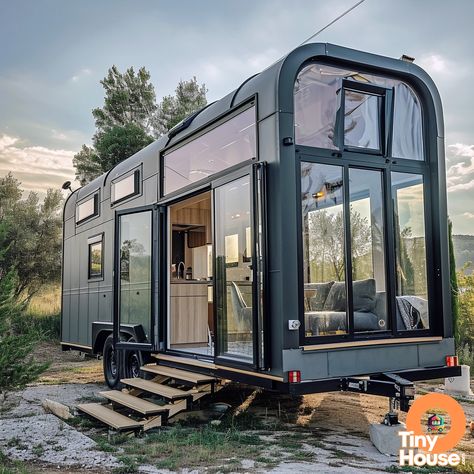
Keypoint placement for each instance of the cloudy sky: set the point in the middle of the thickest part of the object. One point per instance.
(53, 54)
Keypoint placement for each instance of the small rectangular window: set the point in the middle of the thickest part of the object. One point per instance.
(125, 187)
(362, 119)
(87, 209)
(96, 257)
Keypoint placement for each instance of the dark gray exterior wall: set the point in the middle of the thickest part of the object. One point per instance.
(84, 302)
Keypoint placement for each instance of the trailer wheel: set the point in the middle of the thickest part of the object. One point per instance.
(133, 362)
(111, 363)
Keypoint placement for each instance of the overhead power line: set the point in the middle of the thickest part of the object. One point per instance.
(332, 22)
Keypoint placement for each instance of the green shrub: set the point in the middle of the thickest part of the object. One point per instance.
(17, 367)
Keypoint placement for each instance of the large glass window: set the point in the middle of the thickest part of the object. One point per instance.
(234, 284)
(323, 249)
(230, 143)
(317, 100)
(368, 251)
(410, 246)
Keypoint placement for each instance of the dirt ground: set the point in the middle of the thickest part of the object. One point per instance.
(332, 428)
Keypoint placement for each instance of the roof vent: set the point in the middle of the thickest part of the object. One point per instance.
(408, 59)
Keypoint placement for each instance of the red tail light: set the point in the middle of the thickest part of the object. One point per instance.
(452, 361)
(294, 376)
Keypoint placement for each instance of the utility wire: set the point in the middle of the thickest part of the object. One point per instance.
(323, 28)
(332, 22)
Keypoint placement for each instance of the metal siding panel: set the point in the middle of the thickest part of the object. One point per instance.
(93, 311)
(434, 354)
(312, 366)
(150, 189)
(372, 360)
(105, 303)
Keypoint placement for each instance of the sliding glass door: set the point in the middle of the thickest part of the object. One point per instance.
(239, 267)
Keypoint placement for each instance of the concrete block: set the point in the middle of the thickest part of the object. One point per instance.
(386, 439)
(56, 408)
(459, 385)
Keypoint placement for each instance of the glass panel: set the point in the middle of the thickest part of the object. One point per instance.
(317, 99)
(135, 269)
(362, 120)
(123, 188)
(323, 249)
(407, 124)
(87, 209)
(410, 244)
(234, 274)
(95, 260)
(368, 252)
(228, 144)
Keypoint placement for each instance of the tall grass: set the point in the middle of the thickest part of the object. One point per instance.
(43, 314)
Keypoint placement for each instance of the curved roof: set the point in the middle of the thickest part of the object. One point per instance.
(274, 87)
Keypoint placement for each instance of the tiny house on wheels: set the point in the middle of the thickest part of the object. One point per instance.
(292, 236)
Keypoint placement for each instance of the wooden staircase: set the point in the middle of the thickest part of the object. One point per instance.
(146, 404)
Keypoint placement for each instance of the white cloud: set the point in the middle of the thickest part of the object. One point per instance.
(58, 135)
(460, 167)
(434, 63)
(468, 215)
(82, 73)
(37, 167)
(6, 141)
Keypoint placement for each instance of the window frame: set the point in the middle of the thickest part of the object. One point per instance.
(95, 195)
(137, 184)
(93, 240)
(200, 131)
(385, 116)
(345, 159)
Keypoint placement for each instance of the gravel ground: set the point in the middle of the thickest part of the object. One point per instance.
(336, 426)
(27, 433)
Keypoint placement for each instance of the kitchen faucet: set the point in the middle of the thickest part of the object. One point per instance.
(179, 271)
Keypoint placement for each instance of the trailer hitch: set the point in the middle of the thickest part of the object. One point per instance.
(400, 391)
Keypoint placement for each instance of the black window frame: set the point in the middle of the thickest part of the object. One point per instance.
(384, 114)
(137, 187)
(239, 108)
(380, 160)
(96, 197)
(91, 241)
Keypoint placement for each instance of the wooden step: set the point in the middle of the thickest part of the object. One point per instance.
(178, 374)
(134, 403)
(152, 387)
(109, 417)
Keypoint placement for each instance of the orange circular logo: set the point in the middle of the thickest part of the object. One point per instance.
(442, 402)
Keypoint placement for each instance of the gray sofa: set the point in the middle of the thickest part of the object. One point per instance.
(325, 307)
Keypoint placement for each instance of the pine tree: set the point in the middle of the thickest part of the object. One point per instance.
(130, 119)
(454, 284)
(17, 367)
(189, 97)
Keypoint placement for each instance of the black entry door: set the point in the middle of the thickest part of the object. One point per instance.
(135, 270)
(239, 263)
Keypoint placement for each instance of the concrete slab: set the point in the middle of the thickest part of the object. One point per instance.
(385, 438)
(459, 385)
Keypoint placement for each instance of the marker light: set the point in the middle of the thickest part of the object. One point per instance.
(294, 376)
(452, 361)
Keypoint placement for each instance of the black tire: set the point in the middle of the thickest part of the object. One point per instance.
(133, 361)
(110, 363)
